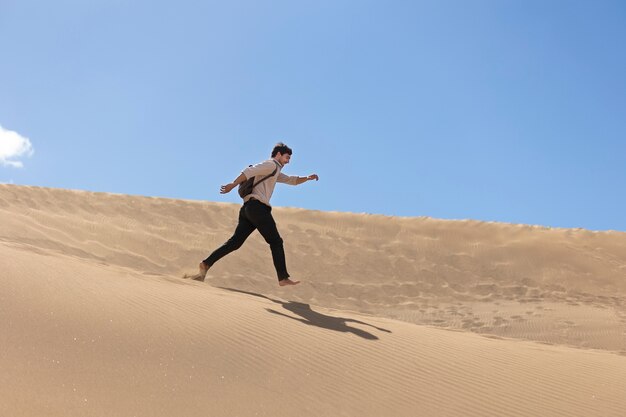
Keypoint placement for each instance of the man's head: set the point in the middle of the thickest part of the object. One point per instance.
(282, 153)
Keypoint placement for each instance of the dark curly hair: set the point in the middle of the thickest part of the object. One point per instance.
(281, 148)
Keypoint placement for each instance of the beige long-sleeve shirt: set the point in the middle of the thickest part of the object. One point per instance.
(263, 191)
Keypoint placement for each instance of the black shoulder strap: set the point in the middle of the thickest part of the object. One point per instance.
(268, 176)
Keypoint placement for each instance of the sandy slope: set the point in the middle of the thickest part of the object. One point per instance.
(95, 320)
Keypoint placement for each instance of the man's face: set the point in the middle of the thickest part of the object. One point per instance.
(283, 159)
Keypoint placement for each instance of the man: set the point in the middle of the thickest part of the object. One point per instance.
(256, 213)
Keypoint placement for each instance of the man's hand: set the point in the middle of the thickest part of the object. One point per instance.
(225, 189)
(311, 177)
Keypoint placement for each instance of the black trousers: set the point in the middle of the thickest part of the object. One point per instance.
(252, 216)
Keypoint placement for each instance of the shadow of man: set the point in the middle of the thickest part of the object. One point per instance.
(311, 317)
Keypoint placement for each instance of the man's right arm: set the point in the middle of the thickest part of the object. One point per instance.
(227, 188)
(262, 168)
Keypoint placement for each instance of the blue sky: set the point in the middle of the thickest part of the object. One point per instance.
(511, 111)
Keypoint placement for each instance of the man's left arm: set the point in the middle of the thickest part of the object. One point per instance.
(311, 177)
(294, 180)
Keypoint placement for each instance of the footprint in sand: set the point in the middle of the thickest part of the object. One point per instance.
(500, 321)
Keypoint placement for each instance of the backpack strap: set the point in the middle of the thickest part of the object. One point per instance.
(268, 176)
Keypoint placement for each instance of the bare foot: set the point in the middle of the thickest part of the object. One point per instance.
(203, 269)
(196, 277)
(287, 281)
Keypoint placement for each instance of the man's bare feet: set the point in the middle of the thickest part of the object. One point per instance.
(195, 277)
(203, 269)
(285, 282)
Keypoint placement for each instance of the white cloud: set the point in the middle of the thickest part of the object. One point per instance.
(13, 146)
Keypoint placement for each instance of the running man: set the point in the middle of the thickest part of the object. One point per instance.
(256, 213)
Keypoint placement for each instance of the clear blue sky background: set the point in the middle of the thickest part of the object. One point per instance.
(511, 111)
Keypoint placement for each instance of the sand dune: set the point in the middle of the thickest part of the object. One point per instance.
(96, 320)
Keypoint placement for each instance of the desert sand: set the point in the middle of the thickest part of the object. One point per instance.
(394, 316)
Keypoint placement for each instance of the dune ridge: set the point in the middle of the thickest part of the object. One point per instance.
(536, 283)
(97, 320)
